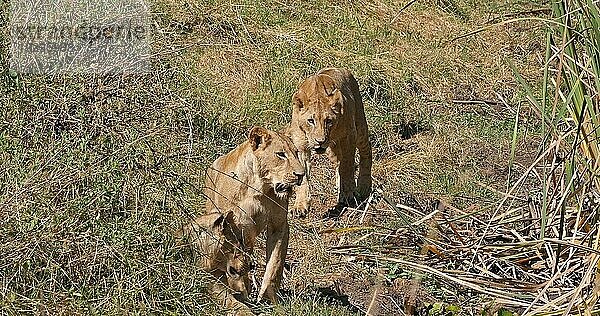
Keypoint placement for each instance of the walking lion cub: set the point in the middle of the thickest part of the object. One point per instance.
(328, 117)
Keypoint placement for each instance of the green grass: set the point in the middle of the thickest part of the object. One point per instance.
(96, 172)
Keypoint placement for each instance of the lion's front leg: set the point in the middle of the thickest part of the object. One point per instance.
(302, 202)
(344, 161)
(278, 233)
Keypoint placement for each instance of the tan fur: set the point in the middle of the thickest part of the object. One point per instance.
(254, 181)
(216, 242)
(328, 117)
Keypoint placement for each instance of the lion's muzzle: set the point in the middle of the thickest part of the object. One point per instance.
(320, 145)
(283, 187)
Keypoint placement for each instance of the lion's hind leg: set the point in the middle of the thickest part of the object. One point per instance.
(364, 183)
(365, 162)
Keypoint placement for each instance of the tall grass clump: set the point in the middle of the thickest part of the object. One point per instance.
(568, 166)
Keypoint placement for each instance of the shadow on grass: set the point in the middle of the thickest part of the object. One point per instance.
(332, 296)
(407, 130)
(326, 295)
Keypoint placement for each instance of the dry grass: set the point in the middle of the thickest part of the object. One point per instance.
(98, 171)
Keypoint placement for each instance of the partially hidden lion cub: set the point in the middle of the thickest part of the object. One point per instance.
(328, 117)
(215, 240)
(255, 181)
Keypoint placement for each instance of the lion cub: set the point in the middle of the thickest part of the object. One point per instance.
(328, 117)
(215, 240)
(255, 181)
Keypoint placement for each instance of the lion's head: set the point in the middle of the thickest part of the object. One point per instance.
(217, 242)
(278, 162)
(317, 107)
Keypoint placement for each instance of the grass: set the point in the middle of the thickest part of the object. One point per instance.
(572, 47)
(99, 170)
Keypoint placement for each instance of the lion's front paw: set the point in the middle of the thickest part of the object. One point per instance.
(301, 209)
(269, 295)
(364, 187)
(335, 212)
(347, 199)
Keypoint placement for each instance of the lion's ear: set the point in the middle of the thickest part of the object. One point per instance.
(229, 217)
(222, 222)
(337, 102)
(327, 83)
(297, 101)
(218, 222)
(259, 137)
(212, 222)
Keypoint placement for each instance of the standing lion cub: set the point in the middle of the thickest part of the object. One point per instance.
(254, 181)
(328, 117)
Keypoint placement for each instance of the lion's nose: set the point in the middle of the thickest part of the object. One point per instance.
(299, 176)
(320, 141)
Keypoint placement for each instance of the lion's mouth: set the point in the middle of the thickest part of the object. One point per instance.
(319, 150)
(282, 188)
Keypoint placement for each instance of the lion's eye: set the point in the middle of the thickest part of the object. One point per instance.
(281, 155)
(328, 121)
(311, 121)
(232, 271)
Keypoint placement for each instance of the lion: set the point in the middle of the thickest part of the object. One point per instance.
(255, 180)
(215, 240)
(328, 117)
